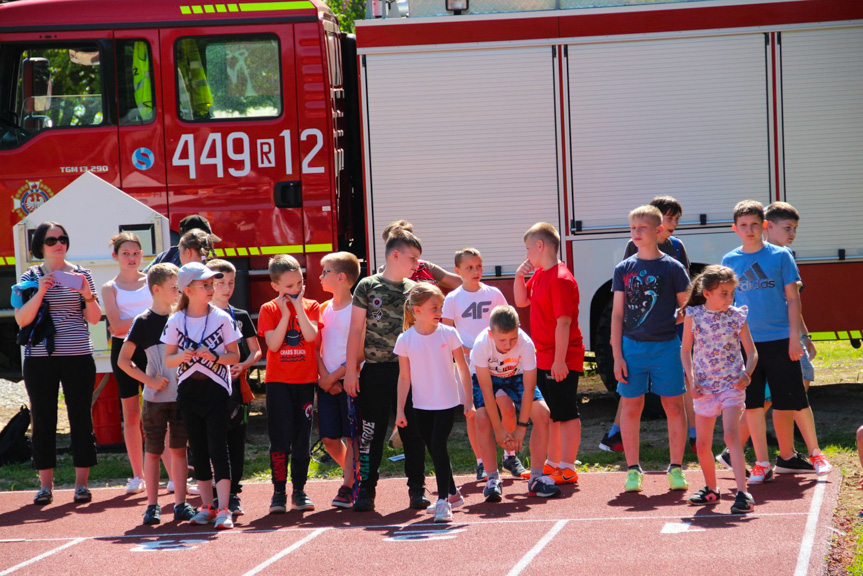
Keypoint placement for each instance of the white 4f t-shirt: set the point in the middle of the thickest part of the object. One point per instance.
(433, 382)
(213, 331)
(469, 311)
(486, 355)
(335, 325)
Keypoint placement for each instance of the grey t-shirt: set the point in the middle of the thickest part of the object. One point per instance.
(145, 333)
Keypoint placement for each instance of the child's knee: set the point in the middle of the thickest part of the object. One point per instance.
(506, 406)
(481, 419)
(673, 406)
(540, 414)
(704, 443)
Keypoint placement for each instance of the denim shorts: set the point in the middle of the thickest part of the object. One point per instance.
(513, 387)
(652, 367)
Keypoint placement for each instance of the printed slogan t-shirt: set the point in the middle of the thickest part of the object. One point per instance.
(295, 361)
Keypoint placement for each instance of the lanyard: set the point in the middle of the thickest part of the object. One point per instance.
(203, 332)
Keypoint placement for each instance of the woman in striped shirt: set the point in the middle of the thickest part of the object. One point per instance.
(65, 358)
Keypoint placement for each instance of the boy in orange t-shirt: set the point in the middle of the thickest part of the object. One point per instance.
(289, 324)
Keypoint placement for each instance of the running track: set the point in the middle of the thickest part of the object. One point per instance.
(594, 529)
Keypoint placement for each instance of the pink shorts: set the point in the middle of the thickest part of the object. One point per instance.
(712, 405)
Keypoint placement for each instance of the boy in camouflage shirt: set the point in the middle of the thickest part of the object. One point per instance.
(376, 322)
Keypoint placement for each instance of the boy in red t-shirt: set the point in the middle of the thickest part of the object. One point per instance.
(289, 324)
(552, 295)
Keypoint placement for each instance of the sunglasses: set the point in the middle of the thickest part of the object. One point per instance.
(51, 241)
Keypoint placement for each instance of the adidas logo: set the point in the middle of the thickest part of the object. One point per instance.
(755, 279)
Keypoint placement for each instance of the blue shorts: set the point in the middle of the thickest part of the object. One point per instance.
(652, 367)
(333, 421)
(513, 387)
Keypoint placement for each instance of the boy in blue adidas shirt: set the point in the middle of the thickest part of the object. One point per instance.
(768, 286)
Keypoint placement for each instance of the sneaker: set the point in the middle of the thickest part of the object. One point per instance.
(224, 519)
(82, 495)
(544, 487)
(611, 443)
(822, 466)
(170, 487)
(204, 516)
(760, 474)
(514, 465)
(184, 512)
(365, 501)
(234, 506)
(676, 479)
(480, 472)
(455, 501)
(344, 497)
(564, 476)
(634, 481)
(704, 496)
(43, 496)
(743, 503)
(724, 460)
(153, 515)
(418, 500)
(797, 464)
(135, 486)
(443, 511)
(192, 489)
(279, 503)
(493, 492)
(547, 470)
(300, 501)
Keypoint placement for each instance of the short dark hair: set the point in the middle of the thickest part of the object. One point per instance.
(38, 241)
(668, 205)
(399, 239)
(781, 211)
(749, 208)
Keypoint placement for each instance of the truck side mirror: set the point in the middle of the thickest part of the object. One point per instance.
(37, 85)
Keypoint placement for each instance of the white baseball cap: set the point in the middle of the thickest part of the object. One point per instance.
(195, 271)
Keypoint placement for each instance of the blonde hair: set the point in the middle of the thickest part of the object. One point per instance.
(464, 253)
(419, 295)
(344, 263)
(397, 225)
(281, 263)
(545, 232)
(222, 266)
(712, 277)
(119, 239)
(503, 319)
(199, 241)
(160, 273)
(749, 208)
(648, 212)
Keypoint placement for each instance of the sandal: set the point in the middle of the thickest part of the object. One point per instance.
(82, 495)
(43, 496)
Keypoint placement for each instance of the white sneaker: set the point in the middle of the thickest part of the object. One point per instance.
(224, 519)
(191, 489)
(170, 487)
(822, 466)
(455, 501)
(443, 511)
(135, 486)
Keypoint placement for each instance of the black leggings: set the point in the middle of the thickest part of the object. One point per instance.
(289, 426)
(435, 427)
(204, 407)
(42, 378)
(237, 445)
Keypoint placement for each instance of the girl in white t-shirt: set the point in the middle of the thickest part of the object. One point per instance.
(426, 350)
(201, 342)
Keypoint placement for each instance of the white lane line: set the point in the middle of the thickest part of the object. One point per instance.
(811, 527)
(489, 522)
(41, 556)
(531, 554)
(284, 552)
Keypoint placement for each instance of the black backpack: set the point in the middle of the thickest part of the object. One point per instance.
(14, 443)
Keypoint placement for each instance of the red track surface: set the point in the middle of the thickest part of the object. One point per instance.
(594, 529)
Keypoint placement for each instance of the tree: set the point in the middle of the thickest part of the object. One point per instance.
(347, 11)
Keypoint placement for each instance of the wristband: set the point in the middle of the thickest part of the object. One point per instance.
(522, 424)
(807, 336)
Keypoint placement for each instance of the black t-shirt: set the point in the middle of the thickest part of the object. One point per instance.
(244, 325)
(145, 333)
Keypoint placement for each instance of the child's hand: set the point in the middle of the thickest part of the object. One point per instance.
(401, 421)
(620, 370)
(282, 304)
(810, 349)
(697, 391)
(325, 382)
(205, 354)
(237, 371)
(157, 382)
(336, 389)
(188, 356)
(795, 349)
(743, 381)
(469, 411)
(559, 371)
(297, 299)
(518, 438)
(525, 269)
(503, 438)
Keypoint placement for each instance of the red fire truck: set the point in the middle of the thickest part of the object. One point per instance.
(291, 137)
